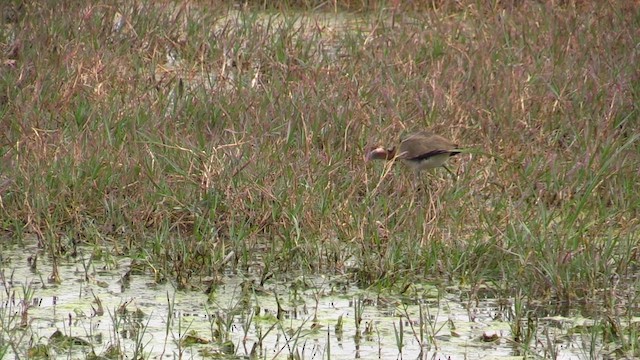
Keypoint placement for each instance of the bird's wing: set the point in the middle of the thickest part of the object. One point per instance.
(423, 145)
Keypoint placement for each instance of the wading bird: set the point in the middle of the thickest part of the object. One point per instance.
(421, 150)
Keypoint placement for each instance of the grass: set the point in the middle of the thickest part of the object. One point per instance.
(188, 135)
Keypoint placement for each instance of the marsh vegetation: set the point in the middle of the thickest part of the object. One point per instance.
(209, 142)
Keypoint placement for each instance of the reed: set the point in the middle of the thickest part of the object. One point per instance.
(188, 134)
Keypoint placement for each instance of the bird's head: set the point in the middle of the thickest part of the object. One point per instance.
(379, 153)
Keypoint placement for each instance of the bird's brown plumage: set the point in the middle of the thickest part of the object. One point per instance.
(421, 150)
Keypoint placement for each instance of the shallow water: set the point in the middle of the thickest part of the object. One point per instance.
(241, 311)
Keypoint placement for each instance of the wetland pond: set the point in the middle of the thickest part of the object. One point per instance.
(97, 305)
(119, 309)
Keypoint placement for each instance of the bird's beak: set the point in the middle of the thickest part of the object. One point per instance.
(367, 157)
(372, 153)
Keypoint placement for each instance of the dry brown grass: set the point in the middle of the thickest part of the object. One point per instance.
(216, 133)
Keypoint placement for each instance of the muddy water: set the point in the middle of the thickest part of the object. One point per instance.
(139, 316)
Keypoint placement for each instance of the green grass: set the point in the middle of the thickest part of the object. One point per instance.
(104, 142)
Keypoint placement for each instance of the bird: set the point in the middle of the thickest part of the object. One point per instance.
(420, 151)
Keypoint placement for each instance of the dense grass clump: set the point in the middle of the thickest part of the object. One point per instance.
(206, 139)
